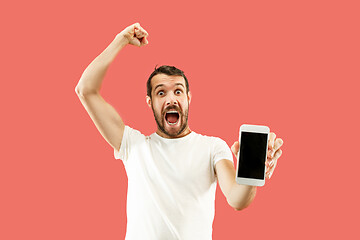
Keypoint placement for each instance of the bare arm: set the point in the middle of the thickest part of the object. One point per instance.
(237, 195)
(104, 116)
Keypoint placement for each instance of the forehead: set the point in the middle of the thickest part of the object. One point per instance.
(166, 80)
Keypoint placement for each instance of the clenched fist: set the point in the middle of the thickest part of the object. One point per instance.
(135, 35)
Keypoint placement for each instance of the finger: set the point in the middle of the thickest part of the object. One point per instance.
(144, 41)
(136, 42)
(268, 164)
(274, 156)
(136, 25)
(272, 137)
(144, 31)
(267, 175)
(235, 148)
(269, 153)
(139, 33)
(278, 143)
(277, 155)
(270, 170)
(271, 162)
(268, 161)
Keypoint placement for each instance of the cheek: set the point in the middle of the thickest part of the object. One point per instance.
(184, 103)
(157, 106)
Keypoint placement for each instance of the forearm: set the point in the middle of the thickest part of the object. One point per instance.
(92, 77)
(240, 196)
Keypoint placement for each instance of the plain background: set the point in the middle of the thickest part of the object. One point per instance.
(290, 65)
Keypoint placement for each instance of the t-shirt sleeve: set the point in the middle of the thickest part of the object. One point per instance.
(129, 139)
(221, 151)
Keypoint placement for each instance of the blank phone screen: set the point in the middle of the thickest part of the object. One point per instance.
(252, 156)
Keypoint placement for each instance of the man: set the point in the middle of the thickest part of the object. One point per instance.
(172, 173)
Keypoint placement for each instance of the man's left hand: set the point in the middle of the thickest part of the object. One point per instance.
(273, 153)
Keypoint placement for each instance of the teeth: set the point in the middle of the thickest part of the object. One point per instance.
(173, 111)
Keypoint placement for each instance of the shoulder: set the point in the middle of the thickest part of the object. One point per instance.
(132, 133)
(213, 140)
(132, 130)
(217, 147)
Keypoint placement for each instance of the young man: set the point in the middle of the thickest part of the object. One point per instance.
(172, 173)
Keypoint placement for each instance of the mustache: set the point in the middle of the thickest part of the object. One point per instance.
(173, 107)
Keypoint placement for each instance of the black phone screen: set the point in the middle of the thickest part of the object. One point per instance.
(252, 156)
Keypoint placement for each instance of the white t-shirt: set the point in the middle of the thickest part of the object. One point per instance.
(171, 184)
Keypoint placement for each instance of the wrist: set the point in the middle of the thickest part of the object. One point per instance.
(122, 40)
(240, 196)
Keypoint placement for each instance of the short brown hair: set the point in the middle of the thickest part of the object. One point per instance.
(168, 70)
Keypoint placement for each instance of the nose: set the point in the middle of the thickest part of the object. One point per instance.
(171, 100)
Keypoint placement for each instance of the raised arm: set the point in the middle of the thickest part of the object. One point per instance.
(104, 116)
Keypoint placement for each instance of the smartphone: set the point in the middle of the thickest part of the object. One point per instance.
(251, 167)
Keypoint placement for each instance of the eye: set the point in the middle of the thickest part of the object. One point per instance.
(160, 93)
(178, 91)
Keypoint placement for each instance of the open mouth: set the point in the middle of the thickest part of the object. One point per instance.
(172, 117)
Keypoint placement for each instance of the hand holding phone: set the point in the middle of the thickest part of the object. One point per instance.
(274, 152)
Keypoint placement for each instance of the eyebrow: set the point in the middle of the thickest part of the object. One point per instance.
(176, 84)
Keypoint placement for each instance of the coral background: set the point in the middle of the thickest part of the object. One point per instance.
(290, 65)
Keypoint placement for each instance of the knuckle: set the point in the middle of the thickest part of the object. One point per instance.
(278, 154)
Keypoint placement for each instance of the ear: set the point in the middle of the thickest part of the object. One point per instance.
(148, 101)
(189, 96)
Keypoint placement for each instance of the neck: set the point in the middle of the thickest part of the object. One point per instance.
(182, 134)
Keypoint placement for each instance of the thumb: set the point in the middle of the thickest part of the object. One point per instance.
(144, 41)
(135, 42)
(235, 148)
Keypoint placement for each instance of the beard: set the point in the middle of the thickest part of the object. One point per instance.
(160, 120)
